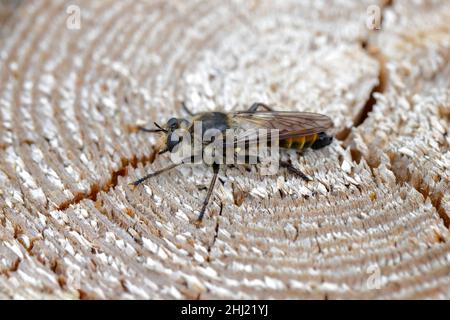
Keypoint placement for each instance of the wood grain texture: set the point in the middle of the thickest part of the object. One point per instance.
(373, 223)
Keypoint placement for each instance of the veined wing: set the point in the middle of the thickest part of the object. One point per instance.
(290, 124)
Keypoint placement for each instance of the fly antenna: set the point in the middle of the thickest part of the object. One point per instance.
(160, 129)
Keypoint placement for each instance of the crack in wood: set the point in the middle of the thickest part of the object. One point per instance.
(112, 183)
(424, 190)
(375, 53)
(11, 269)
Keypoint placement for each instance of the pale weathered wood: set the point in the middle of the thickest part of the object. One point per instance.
(373, 223)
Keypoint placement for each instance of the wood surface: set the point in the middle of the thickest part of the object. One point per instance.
(373, 222)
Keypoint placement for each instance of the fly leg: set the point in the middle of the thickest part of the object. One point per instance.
(216, 168)
(168, 168)
(153, 174)
(186, 109)
(256, 106)
(294, 170)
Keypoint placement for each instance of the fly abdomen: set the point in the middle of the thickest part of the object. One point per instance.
(322, 141)
(299, 143)
(314, 141)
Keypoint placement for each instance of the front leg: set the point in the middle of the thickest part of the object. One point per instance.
(153, 174)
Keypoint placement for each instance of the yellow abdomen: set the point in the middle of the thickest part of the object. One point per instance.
(299, 143)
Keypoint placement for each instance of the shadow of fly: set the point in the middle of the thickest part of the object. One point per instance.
(245, 137)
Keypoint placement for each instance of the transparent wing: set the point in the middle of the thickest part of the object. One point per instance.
(289, 124)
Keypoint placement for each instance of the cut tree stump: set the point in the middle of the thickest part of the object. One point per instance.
(373, 222)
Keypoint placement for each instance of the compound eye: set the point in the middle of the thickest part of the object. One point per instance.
(173, 123)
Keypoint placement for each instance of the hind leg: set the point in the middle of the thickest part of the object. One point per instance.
(294, 170)
(257, 105)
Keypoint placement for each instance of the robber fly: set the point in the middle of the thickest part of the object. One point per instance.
(297, 130)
